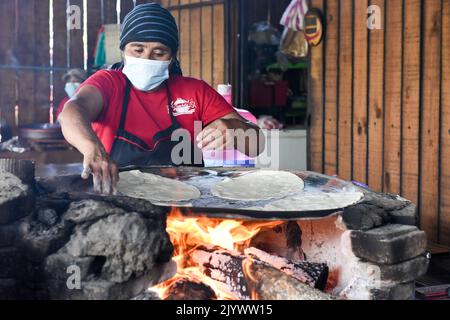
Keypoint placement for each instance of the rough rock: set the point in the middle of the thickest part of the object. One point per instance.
(8, 289)
(98, 289)
(128, 204)
(8, 235)
(57, 266)
(389, 244)
(90, 210)
(9, 258)
(147, 296)
(36, 240)
(16, 198)
(47, 216)
(130, 244)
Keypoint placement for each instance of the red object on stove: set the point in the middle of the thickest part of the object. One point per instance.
(268, 95)
(434, 292)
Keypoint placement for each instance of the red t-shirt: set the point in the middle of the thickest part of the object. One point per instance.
(61, 106)
(148, 114)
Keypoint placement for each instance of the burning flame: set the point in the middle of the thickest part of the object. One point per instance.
(187, 234)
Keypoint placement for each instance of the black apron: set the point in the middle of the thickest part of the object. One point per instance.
(129, 150)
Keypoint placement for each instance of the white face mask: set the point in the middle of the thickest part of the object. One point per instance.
(71, 87)
(146, 74)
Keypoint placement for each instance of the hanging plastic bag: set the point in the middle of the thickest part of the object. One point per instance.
(294, 16)
(294, 44)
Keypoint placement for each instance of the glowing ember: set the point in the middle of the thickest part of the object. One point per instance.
(187, 234)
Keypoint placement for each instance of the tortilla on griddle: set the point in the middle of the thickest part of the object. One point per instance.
(155, 188)
(259, 185)
(313, 202)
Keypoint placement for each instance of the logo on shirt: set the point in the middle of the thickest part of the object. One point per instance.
(182, 107)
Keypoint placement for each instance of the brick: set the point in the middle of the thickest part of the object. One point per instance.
(364, 217)
(403, 291)
(363, 288)
(388, 202)
(409, 215)
(389, 244)
(406, 271)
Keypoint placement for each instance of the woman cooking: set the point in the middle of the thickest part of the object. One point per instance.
(127, 116)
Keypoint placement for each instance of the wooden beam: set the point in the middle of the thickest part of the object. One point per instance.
(185, 40)
(176, 15)
(360, 92)
(393, 96)
(196, 43)
(411, 102)
(24, 53)
(94, 12)
(125, 7)
(7, 77)
(444, 223)
(376, 103)
(331, 87)
(60, 59)
(316, 103)
(207, 44)
(345, 90)
(218, 45)
(431, 70)
(194, 4)
(41, 59)
(76, 45)
(110, 11)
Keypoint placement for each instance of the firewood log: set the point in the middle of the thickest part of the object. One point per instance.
(313, 274)
(267, 283)
(225, 267)
(187, 289)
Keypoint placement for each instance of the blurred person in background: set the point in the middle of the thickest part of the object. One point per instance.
(73, 79)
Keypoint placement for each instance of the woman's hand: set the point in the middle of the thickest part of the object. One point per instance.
(76, 118)
(103, 169)
(232, 132)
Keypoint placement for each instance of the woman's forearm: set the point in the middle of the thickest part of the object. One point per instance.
(76, 128)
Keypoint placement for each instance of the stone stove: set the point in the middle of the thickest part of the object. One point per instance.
(118, 247)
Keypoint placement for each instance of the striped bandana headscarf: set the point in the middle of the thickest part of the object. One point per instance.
(150, 23)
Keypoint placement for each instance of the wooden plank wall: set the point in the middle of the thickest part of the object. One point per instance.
(201, 24)
(26, 93)
(379, 102)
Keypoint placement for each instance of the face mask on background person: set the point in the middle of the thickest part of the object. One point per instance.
(146, 74)
(71, 87)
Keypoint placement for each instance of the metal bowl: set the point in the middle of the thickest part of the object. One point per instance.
(41, 131)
